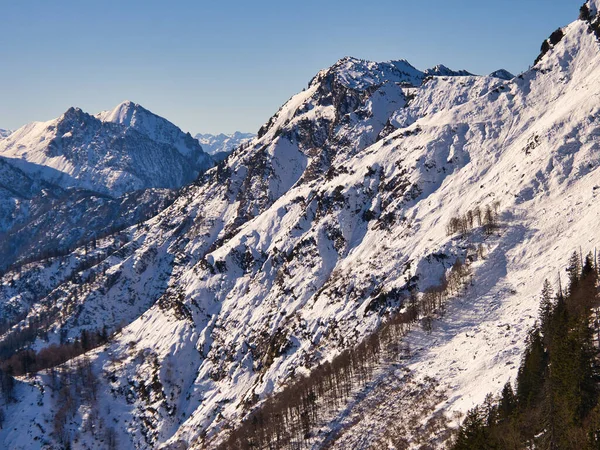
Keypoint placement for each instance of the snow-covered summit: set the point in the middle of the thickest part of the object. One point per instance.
(360, 74)
(135, 116)
(113, 152)
(124, 113)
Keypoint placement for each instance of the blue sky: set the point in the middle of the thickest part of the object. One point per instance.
(221, 66)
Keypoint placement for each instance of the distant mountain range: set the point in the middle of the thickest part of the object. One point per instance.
(222, 143)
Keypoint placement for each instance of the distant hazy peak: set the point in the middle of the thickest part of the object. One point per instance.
(234, 135)
(218, 143)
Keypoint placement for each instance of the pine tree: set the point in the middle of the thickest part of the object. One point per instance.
(473, 434)
(574, 271)
(546, 305)
(508, 402)
(531, 374)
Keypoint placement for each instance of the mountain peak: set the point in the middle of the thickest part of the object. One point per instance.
(114, 152)
(502, 74)
(72, 113)
(124, 113)
(133, 115)
(222, 143)
(442, 71)
(359, 74)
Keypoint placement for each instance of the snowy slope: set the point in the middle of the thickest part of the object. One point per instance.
(115, 152)
(275, 260)
(16, 189)
(4, 133)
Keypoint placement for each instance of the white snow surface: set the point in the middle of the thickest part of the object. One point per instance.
(277, 245)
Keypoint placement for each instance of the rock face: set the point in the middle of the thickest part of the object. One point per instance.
(306, 238)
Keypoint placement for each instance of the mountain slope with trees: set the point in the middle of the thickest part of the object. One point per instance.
(353, 204)
(554, 403)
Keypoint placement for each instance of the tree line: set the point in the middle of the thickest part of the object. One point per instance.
(554, 403)
(28, 361)
(75, 384)
(286, 419)
(478, 217)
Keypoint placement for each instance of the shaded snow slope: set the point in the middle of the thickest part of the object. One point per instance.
(280, 257)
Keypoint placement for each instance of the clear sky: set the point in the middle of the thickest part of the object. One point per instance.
(227, 65)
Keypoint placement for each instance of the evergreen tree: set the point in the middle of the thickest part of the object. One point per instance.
(473, 434)
(556, 405)
(532, 371)
(546, 305)
(508, 402)
(574, 270)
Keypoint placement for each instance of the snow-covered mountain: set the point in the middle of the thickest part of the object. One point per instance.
(114, 152)
(306, 240)
(4, 133)
(112, 169)
(223, 143)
